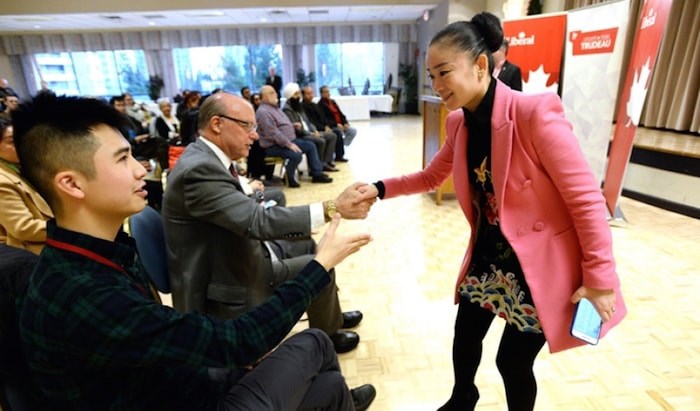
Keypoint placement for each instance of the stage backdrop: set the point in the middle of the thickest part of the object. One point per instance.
(594, 48)
(644, 52)
(535, 45)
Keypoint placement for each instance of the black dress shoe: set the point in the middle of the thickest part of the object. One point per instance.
(328, 167)
(321, 178)
(341, 160)
(351, 319)
(293, 184)
(345, 341)
(363, 396)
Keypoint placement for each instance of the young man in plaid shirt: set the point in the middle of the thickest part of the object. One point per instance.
(92, 329)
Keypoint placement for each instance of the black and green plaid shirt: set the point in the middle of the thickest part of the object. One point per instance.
(96, 340)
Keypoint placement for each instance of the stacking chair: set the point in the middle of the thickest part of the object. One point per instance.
(147, 229)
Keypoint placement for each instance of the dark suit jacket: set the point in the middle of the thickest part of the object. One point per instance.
(511, 76)
(328, 114)
(276, 83)
(317, 117)
(214, 233)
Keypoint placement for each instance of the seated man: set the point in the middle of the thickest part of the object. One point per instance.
(278, 138)
(23, 212)
(142, 143)
(226, 253)
(93, 331)
(321, 122)
(334, 116)
(325, 141)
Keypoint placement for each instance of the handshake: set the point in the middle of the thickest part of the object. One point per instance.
(356, 200)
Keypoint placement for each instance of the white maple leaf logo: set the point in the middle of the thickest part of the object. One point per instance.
(537, 82)
(638, 93)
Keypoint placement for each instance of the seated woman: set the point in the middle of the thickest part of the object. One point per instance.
(23, 212)
(167, 125)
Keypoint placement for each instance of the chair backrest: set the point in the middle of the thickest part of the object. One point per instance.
(147, 229)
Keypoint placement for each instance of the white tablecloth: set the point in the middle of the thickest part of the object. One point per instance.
(358, 107)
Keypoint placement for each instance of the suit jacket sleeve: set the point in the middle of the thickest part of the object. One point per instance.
(210, 195)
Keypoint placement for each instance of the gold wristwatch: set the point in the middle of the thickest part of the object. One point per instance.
(330, 210)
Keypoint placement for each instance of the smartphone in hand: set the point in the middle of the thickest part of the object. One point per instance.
(587, 322)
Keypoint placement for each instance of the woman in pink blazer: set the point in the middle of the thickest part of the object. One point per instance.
(540, 240)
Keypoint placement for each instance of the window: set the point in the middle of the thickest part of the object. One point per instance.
(352, 68)
(94, 73)
(230, 68)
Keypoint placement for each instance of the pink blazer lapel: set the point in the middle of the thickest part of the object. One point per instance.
(501, 141)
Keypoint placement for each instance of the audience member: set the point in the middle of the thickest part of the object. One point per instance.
(93, 331)
(245, 93)
(321, 122)
(23, 212)
(276, 82)
(335, 116)
(142, 143)
(5, 89)
(324, 141)
(190, 101)
(277, 138)
(167, 126)
(11, 103)
(226, 252)
(506, 71)
(136, 111)
(255, 100)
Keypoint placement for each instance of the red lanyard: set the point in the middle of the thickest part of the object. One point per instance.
(92, 256)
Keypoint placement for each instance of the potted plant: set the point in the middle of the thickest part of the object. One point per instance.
(155, 85)
(409, 76)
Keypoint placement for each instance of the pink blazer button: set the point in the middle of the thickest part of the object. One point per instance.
(539, 226)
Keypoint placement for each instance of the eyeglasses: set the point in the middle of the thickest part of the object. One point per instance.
(248, 127)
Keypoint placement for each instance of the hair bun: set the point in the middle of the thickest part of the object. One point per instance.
(489, 26)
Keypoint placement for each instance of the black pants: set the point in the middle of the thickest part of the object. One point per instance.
(516, 356)
(301, 374)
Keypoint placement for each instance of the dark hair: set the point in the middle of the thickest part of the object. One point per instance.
(483, 34)
(505, 45)
(54, 133)
(244, 88)
(114, 99)
(320, 89)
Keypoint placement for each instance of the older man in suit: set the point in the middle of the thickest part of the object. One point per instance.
(227, 253)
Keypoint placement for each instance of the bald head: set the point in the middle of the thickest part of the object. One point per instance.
(228, 122)
(221, 103)
(268, 95)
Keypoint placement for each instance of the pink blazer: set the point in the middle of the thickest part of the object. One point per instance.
(550, 206)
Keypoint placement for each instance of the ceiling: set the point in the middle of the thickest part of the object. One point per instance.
(194, 18)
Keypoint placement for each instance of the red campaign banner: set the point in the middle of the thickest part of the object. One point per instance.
(593, 42)
(536, 45)
(645, 50)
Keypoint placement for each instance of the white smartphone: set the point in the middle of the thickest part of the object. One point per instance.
(587, 322)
